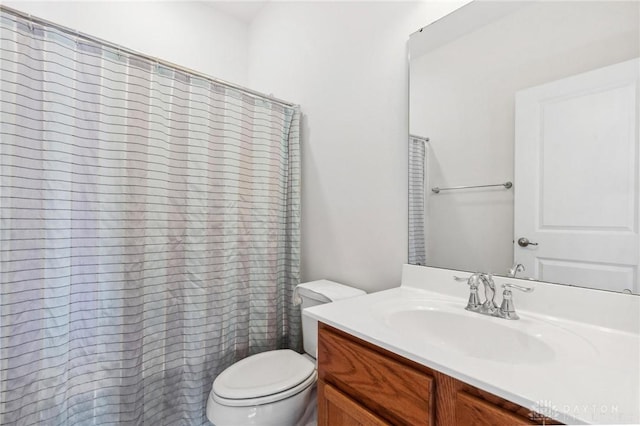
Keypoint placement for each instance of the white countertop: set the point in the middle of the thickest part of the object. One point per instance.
(592, 379)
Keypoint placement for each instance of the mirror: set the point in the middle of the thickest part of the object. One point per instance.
(524, 142)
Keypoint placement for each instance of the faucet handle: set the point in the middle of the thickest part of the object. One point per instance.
(517, 287)
(474, 299)
(472, 280)
(507, 309)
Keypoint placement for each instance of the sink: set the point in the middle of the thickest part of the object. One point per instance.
(450, 327)
(479, 339)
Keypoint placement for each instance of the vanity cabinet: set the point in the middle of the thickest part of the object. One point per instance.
(362, 384)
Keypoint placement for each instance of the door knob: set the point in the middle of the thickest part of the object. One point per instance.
(524, 242)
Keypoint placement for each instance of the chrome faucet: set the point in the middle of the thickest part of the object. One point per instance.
(489, 307)
(517, 267)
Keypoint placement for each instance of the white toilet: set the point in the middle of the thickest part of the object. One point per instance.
(276, 387)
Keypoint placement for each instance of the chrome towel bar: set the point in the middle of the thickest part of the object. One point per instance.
(437, 190)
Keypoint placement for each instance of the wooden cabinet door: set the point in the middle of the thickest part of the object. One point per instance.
(390, 388)
(472, 411)
(337, 409)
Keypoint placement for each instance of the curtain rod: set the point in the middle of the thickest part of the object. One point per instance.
(128, 51)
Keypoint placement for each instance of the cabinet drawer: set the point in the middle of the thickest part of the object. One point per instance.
(337, 409)
(393, 390)
(474, 411)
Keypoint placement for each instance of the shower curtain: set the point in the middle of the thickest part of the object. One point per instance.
(417, 160)
(149, 229)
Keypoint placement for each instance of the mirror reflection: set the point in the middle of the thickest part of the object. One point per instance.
(524, 142)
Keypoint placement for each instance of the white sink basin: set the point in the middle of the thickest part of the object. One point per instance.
(479, 339)
(524, 341)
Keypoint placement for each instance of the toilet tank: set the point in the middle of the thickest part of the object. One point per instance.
(317, 293)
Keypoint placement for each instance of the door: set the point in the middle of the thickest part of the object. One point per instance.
(576, 179)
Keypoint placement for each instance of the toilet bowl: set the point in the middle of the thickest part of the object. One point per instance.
(270, 388)
(276, 388)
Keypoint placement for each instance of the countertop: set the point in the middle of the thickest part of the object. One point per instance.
(594, 381)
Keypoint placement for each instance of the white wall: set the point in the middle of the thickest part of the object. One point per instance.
(346, 64)
(190, 34)
(462, 98)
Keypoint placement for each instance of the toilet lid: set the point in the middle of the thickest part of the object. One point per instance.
(263, 374)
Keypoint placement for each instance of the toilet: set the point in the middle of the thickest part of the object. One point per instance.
(278, 387)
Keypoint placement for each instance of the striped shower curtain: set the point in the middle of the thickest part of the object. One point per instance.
(149, 229)
(417, 223)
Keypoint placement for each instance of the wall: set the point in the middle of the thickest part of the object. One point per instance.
(346, 64)
(462, 97)
(190, 34)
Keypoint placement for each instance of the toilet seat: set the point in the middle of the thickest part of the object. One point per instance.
(264, 378)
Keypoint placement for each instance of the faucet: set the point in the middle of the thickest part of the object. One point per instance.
(489, 307)
(517, 267)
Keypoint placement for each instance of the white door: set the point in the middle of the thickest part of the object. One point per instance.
(576, 179)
